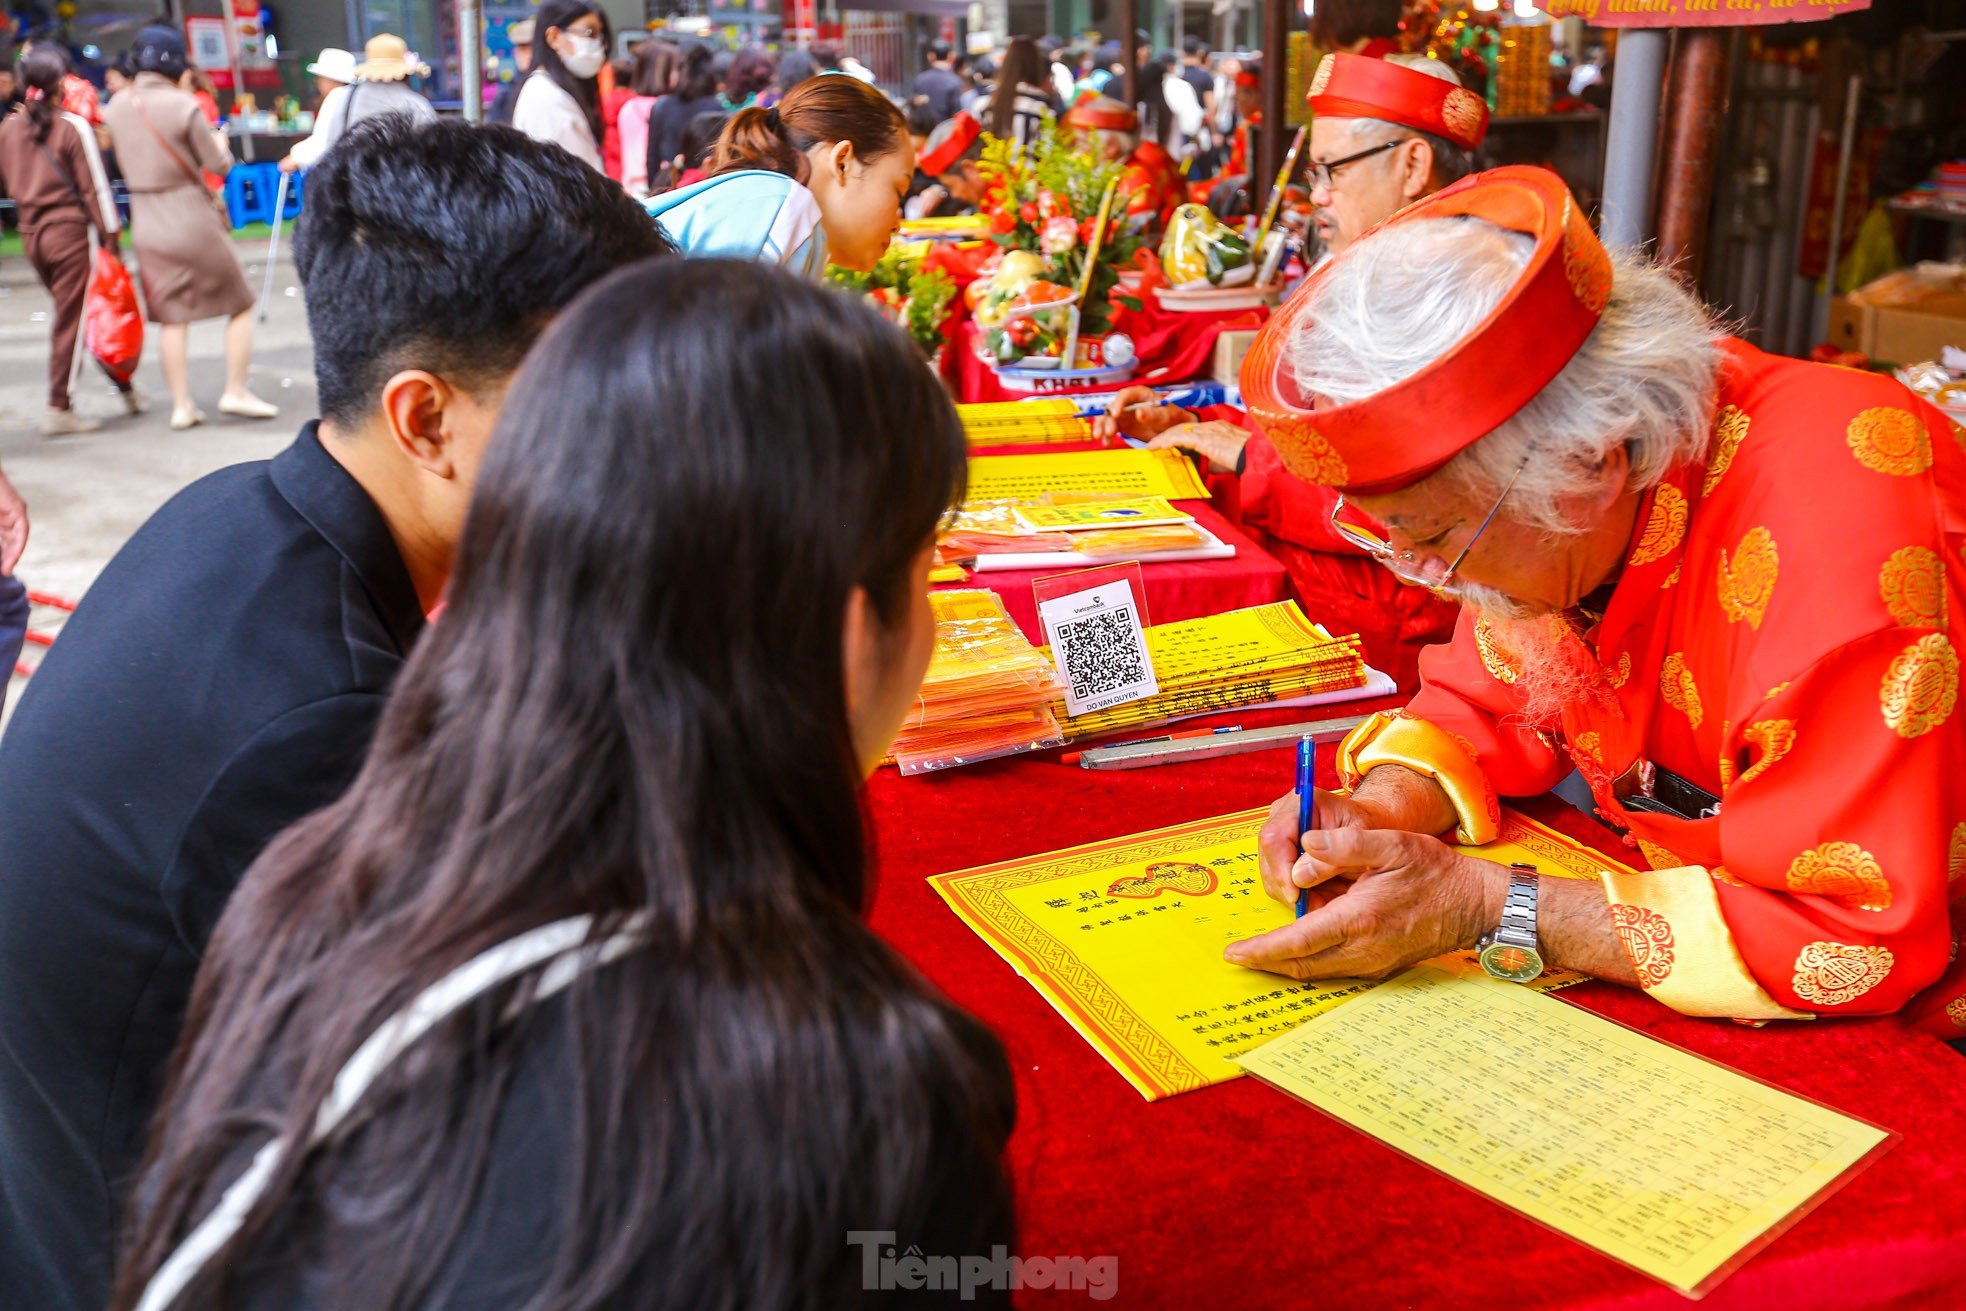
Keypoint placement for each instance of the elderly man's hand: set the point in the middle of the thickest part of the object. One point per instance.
(1218, 442)
(1286, 868)
(13, 526)
(1382, 901)
(1136, 412)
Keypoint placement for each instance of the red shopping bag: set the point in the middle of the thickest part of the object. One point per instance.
(112, 324)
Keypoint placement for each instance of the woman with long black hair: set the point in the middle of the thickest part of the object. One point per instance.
(1023, 95)
(561, 99)
(569, 1002)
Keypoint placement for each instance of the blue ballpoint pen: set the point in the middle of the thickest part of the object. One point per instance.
(1306, 804)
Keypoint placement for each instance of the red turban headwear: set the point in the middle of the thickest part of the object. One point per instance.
(1400, 435)
(1353, 86)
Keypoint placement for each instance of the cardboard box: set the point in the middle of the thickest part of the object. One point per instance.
(1230, 347)
(1905, 317)
(1890, 335)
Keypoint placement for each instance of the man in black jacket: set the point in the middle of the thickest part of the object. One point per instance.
(223, 675)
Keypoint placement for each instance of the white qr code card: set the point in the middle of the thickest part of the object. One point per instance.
(1099, 643)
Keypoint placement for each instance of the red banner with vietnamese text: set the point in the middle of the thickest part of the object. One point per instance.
(1700, 13)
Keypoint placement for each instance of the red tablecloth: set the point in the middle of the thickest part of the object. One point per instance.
(1237, 1196)
(1186, 589)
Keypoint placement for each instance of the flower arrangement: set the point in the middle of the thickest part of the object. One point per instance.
(1044, 202)
(915, 298)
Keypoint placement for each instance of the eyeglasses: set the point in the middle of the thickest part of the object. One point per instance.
(1421, 570)
(1321, 173)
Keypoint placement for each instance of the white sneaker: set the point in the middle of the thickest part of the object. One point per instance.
(247, 406)
(66, 423)
(190, 416)
(134, 401)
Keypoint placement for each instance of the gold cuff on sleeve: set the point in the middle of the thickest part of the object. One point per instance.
(1670, 925)
(1426, 749)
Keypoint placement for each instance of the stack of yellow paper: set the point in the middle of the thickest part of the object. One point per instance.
(1023, 423)
(1220, 662)
(1073, 477)
(987, 693)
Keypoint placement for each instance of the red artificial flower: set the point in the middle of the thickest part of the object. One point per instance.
(1028, 212)
(1002, 222)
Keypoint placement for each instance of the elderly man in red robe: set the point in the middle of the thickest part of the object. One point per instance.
(1150, 185)
(1717, 583)
(1385, 133)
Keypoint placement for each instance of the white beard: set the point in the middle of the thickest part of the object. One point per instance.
(1555, 670)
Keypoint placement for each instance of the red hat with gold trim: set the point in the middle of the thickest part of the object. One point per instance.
(1353, 86)
(1102, 115)
(948, 143)
(1398, 436)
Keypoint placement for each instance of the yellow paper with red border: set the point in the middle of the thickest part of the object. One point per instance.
(1125, 937)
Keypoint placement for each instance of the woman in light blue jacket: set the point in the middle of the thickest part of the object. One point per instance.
(820, 177)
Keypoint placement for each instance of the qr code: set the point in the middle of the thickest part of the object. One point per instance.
(1101, 653)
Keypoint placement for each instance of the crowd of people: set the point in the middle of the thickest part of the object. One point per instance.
(434, 862)
(158, 133)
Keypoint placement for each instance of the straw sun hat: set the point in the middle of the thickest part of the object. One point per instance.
(386, 58)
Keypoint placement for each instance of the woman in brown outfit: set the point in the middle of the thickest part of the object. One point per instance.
(49, 165)
(185, 261)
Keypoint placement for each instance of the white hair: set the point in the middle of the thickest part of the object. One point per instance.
(1645, 379)
(1451, 162)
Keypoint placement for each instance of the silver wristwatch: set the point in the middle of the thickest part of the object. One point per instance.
(1510, 952)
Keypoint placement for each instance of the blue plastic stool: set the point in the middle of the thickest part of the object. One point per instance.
(249, 193)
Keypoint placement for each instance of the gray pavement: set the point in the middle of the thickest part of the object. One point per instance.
(87, 494)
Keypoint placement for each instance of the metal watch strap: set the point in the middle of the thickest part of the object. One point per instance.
(1518, 924)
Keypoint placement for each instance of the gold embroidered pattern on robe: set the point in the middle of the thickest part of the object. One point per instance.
(1730, 429)
(1842, 870)
(1912, 584)
(1890, 440)
(1833, 973)
(1956, 1011)
(1676, 685)
(1499, 666)
(1746, 583)
(1665, 527)
(1308, 453)
(1647, 939)
(1921, 686)
(1956, 852)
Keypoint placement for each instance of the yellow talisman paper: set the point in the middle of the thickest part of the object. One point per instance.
(1668, 1162)
(1236, 658)
(1023, 423)
(1078, 475)
(1142, 512)
(1125, 939)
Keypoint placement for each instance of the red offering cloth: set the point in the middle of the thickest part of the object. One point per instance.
(1186, 589)
(1238, 1196)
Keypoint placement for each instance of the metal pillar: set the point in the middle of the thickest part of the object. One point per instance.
(1276, 76)
(1696, 107)
(1129, 21)
(470, 50)
(1633, 135)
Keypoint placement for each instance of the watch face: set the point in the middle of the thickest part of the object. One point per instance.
(1512, 963)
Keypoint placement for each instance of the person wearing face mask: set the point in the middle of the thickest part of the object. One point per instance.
(820, 176)
(560, 101)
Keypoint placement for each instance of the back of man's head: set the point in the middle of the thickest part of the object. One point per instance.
(939, 52)
(447, 247)
(1193, 46)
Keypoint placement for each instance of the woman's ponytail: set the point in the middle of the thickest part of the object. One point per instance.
(41, 72)
(816, 112)
(755, 138)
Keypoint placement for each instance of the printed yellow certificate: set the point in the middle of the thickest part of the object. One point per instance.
(1076, 475)
(1673, 1164)
(1125, 939)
